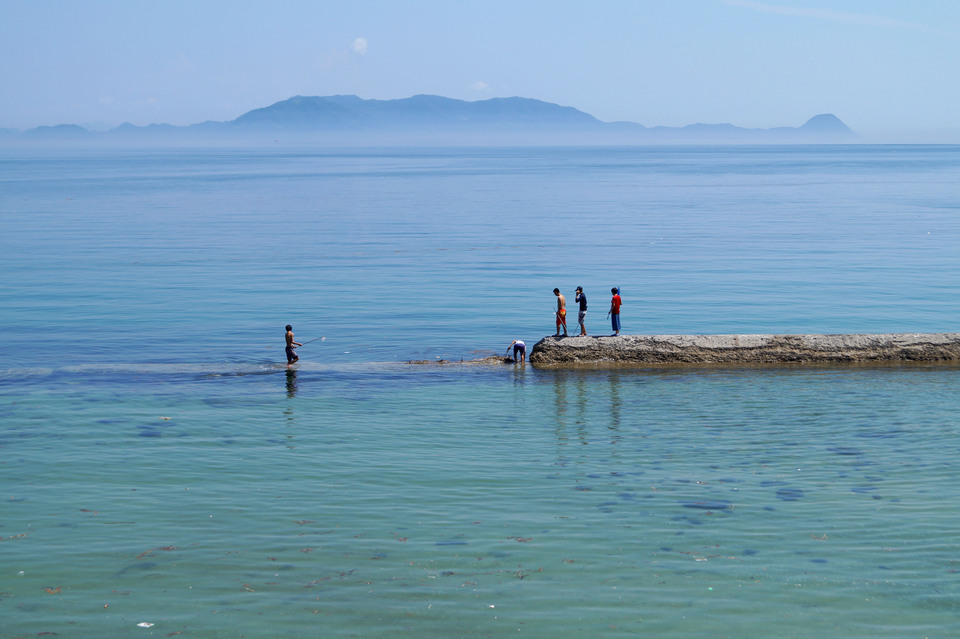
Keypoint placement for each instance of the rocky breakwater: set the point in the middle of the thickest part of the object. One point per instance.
(696, 350)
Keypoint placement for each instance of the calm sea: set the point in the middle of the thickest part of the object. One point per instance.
(164, 474)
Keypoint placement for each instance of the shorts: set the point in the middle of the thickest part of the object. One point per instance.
(519, 348)
(562, 317)
(291, 356)
(581, 316)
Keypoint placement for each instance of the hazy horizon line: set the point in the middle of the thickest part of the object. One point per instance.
(872, 135)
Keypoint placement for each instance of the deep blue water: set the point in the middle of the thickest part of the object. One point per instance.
(161, 465)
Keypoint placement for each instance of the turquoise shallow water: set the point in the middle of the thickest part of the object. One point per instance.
(159, 465)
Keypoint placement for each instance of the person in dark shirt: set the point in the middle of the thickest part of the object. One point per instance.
(581, 316)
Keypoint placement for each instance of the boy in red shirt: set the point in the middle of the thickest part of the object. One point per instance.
(615, 310)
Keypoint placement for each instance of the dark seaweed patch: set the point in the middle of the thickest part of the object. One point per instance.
(790, 494)
(140, 566)
(846, 450)
(863, 489)
(889, 434)
(708, 504)
(607, 506)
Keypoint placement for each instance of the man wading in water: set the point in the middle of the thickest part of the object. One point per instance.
(291, 356)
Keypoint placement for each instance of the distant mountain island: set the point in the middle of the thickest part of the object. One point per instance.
(431, 119)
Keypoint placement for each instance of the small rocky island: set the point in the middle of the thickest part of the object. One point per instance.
(703, 350)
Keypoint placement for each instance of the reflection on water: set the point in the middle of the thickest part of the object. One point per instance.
(288, 410)
(585, 401)
(291, 382)
(615, 402)
(519, 374)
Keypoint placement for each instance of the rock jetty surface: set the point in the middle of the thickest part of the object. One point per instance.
(696, 350)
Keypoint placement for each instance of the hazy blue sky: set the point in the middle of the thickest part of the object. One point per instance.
(879, 65)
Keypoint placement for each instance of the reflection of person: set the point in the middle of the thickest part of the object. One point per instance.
(561, 312)
(519, 350)
(615, 310)
(581, 316)
(291, 356)
(291, 382)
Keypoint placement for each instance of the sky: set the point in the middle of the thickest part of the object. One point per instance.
(890, 69)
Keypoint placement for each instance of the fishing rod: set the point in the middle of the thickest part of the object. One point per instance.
(313, 340)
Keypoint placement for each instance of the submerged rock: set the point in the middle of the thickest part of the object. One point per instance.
(482, 361)
(665, 350)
